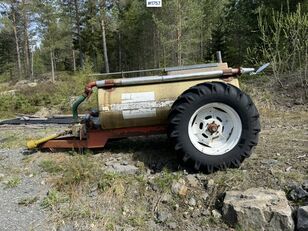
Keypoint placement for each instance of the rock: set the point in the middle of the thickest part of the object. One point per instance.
(179, 188)
(305, 185)
(119, 168)
(166, 198)
(32, 84)
(139, 164)
(192, 202)
(297, 193)
(186, 214)
(258, 209)
(163, 216)
(1, 175)
(172, 225)
(195, 213)
(302, 218)
(216, 214)
(209, 184)
(176, 207)
(152, 226)
(153, 186)
(205, 212)
(192, 180)
(269, 162)
(205, 196)
(201, 177)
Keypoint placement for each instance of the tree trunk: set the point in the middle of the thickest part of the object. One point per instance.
(52, 66)
(16, 42)
(74, 61)
(78, 32)
(179, 35)
(120, 51)
(201, 43)
(32, 70)
(104, 44)
(26, 41)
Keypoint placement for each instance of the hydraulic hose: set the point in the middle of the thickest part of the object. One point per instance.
(80, 99)
(75, 106)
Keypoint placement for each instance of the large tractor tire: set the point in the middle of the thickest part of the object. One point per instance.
(213, 126)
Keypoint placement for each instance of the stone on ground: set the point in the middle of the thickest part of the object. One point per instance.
(258, 209)
(179, 188)
(302, 218)
(119, 168)
(192, 180)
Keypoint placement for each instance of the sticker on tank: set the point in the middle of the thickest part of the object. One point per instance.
(139, 105)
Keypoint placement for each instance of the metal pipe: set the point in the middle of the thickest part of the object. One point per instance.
(218, 56)
(166, 69)
(166, 78)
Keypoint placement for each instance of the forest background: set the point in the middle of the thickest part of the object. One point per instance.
(51, 40)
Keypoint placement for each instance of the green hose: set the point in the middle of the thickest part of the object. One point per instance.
(75, 106)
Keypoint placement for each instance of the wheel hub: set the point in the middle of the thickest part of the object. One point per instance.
(212, 127)
(215, 128)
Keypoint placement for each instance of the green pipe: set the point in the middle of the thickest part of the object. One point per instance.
(75, 106)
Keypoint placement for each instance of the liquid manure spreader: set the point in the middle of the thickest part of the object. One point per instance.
(210, 122)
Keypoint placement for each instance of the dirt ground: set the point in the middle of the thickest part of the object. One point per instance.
(71, 191)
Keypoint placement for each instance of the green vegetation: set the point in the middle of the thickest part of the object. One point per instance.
(13, 182)
(28, 201)
(52, 199)
(50, 166)
(164, 181)
(103, 36)
(59, 96)
(82, 37)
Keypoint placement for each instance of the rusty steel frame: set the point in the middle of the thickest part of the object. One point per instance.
(99, 138)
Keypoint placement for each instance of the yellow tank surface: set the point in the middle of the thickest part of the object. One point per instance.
(146, 105)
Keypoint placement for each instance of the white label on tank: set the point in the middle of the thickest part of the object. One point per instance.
(138, 105)
(138, 97)
(139, 113)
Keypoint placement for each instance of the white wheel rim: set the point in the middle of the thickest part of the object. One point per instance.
(215, 129)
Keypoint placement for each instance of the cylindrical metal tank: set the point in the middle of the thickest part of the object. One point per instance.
(148, 104)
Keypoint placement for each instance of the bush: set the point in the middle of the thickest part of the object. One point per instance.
(285, 43)
(28, 100)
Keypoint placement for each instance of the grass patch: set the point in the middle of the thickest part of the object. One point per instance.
(28, 201)
(81, 210)
(50, 166)
(79, 169)
(52, 199)
(106, 181)
(164, 181)
(13, 182)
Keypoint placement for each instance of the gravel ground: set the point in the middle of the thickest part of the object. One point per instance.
(15, 216)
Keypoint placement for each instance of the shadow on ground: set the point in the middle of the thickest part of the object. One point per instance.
(154, 151)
